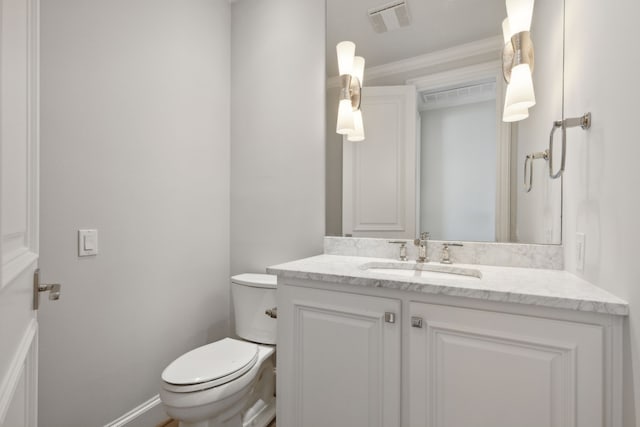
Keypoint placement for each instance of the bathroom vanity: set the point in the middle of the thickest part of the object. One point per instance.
(366, 342)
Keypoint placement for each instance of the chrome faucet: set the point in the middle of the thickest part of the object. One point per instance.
(446, 257)
(421, 243)
(403, 248)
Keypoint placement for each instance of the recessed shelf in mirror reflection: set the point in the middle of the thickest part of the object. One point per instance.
(460, 53)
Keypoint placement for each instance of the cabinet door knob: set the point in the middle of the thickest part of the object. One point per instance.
(416, 322)
(390, 317)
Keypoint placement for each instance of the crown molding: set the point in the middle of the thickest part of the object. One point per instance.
(478, 72)
(461, 52)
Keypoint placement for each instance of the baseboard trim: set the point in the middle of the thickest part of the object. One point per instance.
(135, 412)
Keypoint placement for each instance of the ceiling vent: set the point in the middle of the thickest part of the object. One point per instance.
(470, 94)
(390, 16)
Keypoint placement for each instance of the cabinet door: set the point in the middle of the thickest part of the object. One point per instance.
(472, 368)
(338, 359)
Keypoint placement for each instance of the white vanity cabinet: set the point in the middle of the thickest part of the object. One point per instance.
(476, 368)
(360, 356)
(338, 359)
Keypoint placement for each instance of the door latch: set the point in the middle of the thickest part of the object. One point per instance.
(272, 312)
(53, 289)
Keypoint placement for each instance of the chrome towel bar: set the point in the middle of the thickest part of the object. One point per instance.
(584, 122)
(528, 167)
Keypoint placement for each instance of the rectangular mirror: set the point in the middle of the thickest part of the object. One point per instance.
(437, 156)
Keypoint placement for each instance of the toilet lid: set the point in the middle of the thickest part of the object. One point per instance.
(210, 365)
(256, 280)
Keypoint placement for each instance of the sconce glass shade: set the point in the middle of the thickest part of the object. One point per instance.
(514, 114)
(520, 94)
(520, 13)
(351, 70)
(345, 51)
(345, 123)
(358, 133)
(506, 31)
(358, 68)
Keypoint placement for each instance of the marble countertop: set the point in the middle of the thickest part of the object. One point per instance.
(550, 288)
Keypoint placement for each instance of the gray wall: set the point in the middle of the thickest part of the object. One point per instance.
(135, 143)
(601, 196)
(277, 132)
(333, 167)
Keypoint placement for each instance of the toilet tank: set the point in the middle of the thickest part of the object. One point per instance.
(252, 295)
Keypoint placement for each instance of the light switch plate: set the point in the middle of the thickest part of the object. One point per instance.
(87, 242)
(580, 248)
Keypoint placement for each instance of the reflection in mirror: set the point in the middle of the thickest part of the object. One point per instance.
(458, 150)
(437, 156)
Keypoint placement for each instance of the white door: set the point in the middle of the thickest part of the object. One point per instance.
(379, 173)
(18, 211)
(338, 359)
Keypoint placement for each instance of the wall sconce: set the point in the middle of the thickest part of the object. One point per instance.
(518, 60)
(351, 70)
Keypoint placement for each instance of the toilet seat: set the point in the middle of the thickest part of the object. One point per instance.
(210, 366)
(256, 280)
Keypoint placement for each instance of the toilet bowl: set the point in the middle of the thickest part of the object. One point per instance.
(231, 382)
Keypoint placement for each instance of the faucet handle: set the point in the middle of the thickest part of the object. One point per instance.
(446, 258)
(403, 248)
(425, 235)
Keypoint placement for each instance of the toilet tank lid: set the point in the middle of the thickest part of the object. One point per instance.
(256, 280)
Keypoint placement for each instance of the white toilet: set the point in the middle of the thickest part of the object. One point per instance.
(230, 383)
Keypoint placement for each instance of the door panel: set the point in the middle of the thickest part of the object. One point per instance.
(379, 173)
(18, 211)
(476, 368)
(352, 382)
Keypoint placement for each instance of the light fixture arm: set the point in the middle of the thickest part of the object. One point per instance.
(350, 89)
(518, 51)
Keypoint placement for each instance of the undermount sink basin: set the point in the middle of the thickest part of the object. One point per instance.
(422, 270)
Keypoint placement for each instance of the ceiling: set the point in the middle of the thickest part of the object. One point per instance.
(435, 25)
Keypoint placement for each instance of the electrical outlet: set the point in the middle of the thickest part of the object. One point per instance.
(580, 250)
